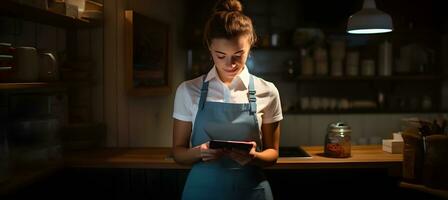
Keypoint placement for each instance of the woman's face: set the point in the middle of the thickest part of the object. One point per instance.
(229, 56)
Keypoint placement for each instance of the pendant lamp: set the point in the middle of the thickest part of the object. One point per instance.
(369, 20)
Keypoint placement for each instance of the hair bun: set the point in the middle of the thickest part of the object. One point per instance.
(228, 6)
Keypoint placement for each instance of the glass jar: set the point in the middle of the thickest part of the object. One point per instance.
(338, 140)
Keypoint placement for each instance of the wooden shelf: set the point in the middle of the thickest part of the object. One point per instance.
(371, 78)
(427, 77)
(360, 111)
(256, 48)
(45, 85)
(277, 48)
(31, 85)
(29, 13)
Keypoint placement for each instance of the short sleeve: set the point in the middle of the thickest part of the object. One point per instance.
(273, 112)
(182, 104)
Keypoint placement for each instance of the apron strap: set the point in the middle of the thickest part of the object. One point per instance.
(252, 98)
(204, 91)
(251, 94)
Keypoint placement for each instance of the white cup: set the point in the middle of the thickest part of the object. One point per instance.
(344, 104)
(325, 103)
(48, 67)
(27, 64)
(315, 103)
(304, 103)
(333, 103)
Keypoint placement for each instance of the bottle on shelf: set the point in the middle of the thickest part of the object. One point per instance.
(385, 59)
(337, 52)
(307, 63)
(352, 63)
(368, 67)
(320, 59)
(381, 100)
(336, 68)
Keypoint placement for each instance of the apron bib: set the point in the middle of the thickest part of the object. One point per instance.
(224, 178)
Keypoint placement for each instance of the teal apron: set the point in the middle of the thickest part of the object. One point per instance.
(224, 178)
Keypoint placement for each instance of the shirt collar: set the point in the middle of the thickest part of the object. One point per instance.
(243, 76)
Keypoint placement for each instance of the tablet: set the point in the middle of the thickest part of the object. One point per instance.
(220, 144)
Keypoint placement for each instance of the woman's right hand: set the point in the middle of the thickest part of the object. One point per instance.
(208, 154)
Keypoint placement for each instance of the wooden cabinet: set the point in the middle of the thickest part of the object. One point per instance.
(33, 113)
(319, 68)
(76, 72)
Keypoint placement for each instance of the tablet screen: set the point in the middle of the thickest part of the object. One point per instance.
(220, 144)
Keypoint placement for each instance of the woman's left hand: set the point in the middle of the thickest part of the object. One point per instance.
(240, 156)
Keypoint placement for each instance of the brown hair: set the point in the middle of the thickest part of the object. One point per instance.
(228, 21)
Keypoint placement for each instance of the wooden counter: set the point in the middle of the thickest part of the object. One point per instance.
(368, 165)
(110, 166)
(362, 157)
(151, 158)
(371, 156)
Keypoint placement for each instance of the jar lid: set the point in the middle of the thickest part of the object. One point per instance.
(339, 127)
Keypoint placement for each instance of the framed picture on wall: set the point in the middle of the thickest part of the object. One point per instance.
(147, 43)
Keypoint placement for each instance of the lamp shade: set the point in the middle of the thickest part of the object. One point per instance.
(369, 20)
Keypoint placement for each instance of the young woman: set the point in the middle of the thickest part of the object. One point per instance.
(228, 103)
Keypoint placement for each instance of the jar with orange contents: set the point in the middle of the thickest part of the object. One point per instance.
(338, 140)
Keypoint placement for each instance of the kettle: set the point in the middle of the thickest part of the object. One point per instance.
(338, 140)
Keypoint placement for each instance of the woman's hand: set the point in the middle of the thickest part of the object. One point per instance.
(208, 154)
(240, 156)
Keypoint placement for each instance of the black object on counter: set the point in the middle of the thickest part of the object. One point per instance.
(289, 151)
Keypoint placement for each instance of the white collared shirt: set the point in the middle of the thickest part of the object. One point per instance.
(188, 94)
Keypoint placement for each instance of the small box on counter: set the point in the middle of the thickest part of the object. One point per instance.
(397, 136)
(393, 146)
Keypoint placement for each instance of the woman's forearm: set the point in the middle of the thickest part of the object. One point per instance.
(268, 157)
(186, 156)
